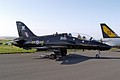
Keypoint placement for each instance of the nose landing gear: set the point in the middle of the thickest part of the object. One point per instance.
(98, 54)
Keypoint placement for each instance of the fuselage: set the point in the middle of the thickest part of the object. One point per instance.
(59, 41)
(115, 42)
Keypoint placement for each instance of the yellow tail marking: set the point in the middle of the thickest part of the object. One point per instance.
(108, 32)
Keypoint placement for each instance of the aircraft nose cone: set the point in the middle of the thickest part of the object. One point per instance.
(108, 47)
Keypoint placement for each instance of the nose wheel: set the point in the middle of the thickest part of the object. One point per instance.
(98, 54)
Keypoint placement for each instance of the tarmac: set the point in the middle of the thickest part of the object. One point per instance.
(75, 66)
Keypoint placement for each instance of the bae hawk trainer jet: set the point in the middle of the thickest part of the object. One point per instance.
(58, 43)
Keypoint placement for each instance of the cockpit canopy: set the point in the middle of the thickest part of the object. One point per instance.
(79, 36)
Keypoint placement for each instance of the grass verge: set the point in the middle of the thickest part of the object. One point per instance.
(5, 49)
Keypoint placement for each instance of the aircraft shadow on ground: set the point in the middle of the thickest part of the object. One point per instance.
(76, 58)
(73, 59)
(69, 59)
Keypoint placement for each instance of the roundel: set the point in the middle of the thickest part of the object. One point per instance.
(37, 42)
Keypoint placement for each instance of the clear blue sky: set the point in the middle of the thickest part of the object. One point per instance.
(50, 16)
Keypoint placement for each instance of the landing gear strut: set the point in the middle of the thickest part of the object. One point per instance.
(98, 54)
(63, 52)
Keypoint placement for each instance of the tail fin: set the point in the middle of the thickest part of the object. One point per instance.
(107, 32)
(23, 30)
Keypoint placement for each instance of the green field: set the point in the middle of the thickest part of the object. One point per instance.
(6, 49)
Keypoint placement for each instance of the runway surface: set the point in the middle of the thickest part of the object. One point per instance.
(75, 66)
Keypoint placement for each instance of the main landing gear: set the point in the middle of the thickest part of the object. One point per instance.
(58, 53)
(98, 54)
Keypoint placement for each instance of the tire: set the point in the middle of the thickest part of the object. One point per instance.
(97, 56)
(52, 56)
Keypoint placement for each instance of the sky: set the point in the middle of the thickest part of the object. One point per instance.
(45, 17)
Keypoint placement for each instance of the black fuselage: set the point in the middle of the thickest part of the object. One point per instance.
(59, 41)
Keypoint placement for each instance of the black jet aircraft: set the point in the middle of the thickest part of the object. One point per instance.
(58, 43)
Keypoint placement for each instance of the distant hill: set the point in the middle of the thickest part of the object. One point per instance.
(7, 38)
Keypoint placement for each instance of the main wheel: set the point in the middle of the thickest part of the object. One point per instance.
(52, 56)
